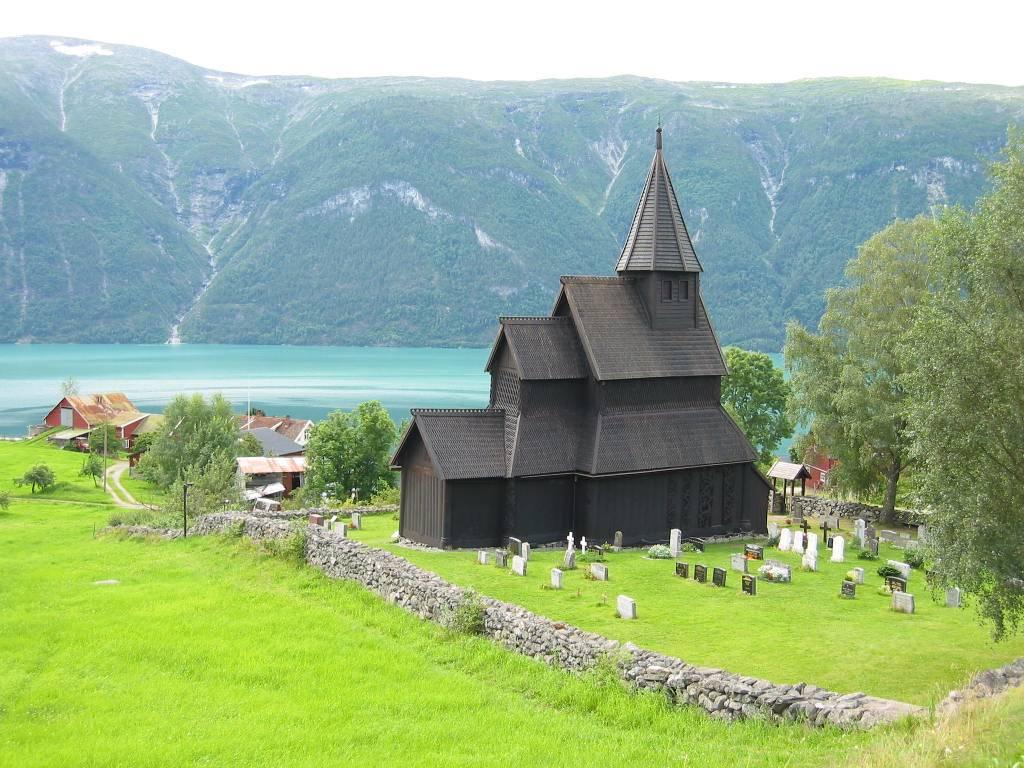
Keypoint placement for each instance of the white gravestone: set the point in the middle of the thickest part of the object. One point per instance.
(569, 561)
(858, 575)
(357, 521)
(812, 543)
(525, 550)
(798, 542)
(626, 606)
(838, 549)
(773, 530)
(859, 529)
(675, 542)
(903, 568)
(341, 529)
(556, 578)
(332, 522)
(583, 544)
(599, 571)
(953, 597)
(810, 561)
(903, 602)
(571, 542)
(483, 557)
(518, 565)
(738, 562)
(786, 540)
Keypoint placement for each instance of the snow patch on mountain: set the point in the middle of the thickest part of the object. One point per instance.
(407, 194)
(81, 50)
(237, 83)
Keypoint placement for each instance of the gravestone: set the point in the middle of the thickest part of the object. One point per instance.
(718, 577)
(903, 568)
(838, 549)
(357, 521)
(700, 573)
(501, 558)
(626, 607)
(518, 565)
(599, 571)
(786, 540)
(749, 584)
(953, 597)
(858, 575)
(515, 546)
(903, 602)
(812, 543)
(777, 572)
(696, 543)
(315, 519)
(483, 557)
(332, 522)
(889, 536)
(556, 578)
(675, 542)
(341, 530)
(849, 590)
(753, 552)
(583, 544)
(810, 561)
(569, 561)
(873, 547)
(617, 542)
(683, 570)
(798, 542)
(773, 530)
(570, 541)
(738, 562)
(896, 583)
(524, 550)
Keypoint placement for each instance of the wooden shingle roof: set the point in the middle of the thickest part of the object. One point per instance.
(618, 339)
(658, 239)
(463, 443)
(543, 347)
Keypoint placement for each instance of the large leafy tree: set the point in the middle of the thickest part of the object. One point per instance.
(40, 476)
(756, 393)
(195, 433)
(846, 378)
(104, 435)
(351, 450)
(967, 387)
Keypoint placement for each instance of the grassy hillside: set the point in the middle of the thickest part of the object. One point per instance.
(139, 193)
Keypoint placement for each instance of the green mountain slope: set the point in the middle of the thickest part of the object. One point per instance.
(142, 197)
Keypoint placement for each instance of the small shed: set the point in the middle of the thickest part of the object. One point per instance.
(789, 473)
(282, 474)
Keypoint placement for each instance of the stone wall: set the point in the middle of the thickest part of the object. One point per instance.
(816, 506)
(326, 512)
(724, 695)
(985, 684)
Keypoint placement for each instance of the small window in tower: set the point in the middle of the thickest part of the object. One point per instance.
(666, 290)
(684, 290)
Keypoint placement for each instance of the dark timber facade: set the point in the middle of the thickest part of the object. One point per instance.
(605, 416)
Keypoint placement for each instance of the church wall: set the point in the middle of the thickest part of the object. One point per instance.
(543, 509)
(423, 496)
(475, 512)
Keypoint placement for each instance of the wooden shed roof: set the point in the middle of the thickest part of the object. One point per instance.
(785, 470)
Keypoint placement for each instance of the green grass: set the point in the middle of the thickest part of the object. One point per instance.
(792, 632)
(143, 490)
(16, 457)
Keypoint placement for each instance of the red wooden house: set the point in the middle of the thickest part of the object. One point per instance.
(80, 414)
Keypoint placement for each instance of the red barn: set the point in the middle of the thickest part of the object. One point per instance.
(79, 414)
(820, 465)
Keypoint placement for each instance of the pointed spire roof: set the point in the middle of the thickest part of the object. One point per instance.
(658, 239)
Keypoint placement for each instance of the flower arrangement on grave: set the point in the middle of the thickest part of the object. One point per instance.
(777, 573)
(851, 575)
(866, 554)
(660, 552)
(689, 546)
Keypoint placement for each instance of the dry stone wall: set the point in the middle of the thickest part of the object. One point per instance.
(816, 506)
(722, 694)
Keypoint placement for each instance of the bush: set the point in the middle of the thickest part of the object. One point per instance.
(39, 475)
(886, 571)
(773, 541)
(914, 558)
(291, 548)
(385, 497)
(659, 552)
(468, 617)
(866, 554)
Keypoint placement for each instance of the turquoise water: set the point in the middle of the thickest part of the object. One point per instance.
(304, 382)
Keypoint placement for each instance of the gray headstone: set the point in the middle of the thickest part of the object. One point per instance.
(626, 607)
(524, 550)
(903, 568)
(501, 558)
(873, 546)
(518, 565)
(786, 540)
(514, 545)
(738, 562)
(357, 521)
(617, 541)
(675, 542)
(903, 602)
(569, 561)
(773, 530)
(341, 529)
(953, 598)
(556, 578)
(858, 575)
(483, 557)
(599, 571)
(889, 536)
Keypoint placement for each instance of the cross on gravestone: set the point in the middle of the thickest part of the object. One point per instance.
(571, 542)
(556, 578)
(718, 577)
(683, 570)
(583, 544)
(626, 607)
(599, 571)
(805, 526)
(700, 573)
(824, 534)
(749, 584)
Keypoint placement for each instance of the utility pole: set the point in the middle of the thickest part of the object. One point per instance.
(105, 458)
(184, 509)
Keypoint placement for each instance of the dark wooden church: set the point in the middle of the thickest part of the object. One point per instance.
(605, 416)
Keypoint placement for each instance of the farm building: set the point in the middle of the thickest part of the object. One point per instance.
(604, 416)
(80, 414)
(296, 430)
(270, 476)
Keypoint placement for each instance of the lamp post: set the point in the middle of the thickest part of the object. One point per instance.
(184, 508)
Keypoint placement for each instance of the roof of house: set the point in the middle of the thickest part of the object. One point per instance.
(619, 341)
(283, 425)
(542, 347)
(266, 465)
(785, 470)
(463, 443)
(151, 423)
(658, 239)
(274, 443)
(103, 406)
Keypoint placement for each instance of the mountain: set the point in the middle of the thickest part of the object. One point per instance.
(144, 198)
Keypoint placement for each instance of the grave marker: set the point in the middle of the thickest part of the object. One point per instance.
(483, 557)
(696, 543)
(501, 558)
(773, 530)
(342, 530)
(786, 540)
(626, 607)
(753, 552)
(683, 570)
(873, 547)
(798, 542)
(515, 545)
(810, 561)
(896, 583)
(524, 550)
(903, 602)
(599, 571)
(332, 522)
(357, 521)
(953, 597)
(858, 575)
(749, 584)
(700, 573)
(569, 561)
(315, 519)
(903, 568)
(738, 562)
(556, 578)
(617, 542)
(718, 577)
(849, 590)
(838, 549)
(675, 542)
(518, 565)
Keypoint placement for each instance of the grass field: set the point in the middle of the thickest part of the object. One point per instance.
(143, 491)
(793, 632)
(17, 457)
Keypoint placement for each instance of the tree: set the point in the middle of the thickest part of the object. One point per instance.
(40, 475)
(104, 435)
(847, 378)
(92, 467)
(69, 387)
(351, 450)
(756, 395)
(248, 445)
(967, 387)
(5, 499)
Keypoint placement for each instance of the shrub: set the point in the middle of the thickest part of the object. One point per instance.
(886, 571)
(468, 616)
(291, 548)
(866, 554)
(914, 558)
(385, 496)
(659, 552)
(39, 475)
(773, 541)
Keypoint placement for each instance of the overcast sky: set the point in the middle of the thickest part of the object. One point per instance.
(977, 41)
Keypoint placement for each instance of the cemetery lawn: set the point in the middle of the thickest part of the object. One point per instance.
(209, 651)
(787, 633)
(17, 457)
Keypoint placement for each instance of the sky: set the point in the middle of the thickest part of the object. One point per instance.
(718, 40)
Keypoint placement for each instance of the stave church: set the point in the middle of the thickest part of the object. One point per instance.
(604, 416)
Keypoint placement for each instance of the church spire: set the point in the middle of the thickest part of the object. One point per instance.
(658, 239)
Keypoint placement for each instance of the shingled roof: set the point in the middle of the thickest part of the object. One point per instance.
(542, 347)
(463, 443)
(658, 239)
(619, 341)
